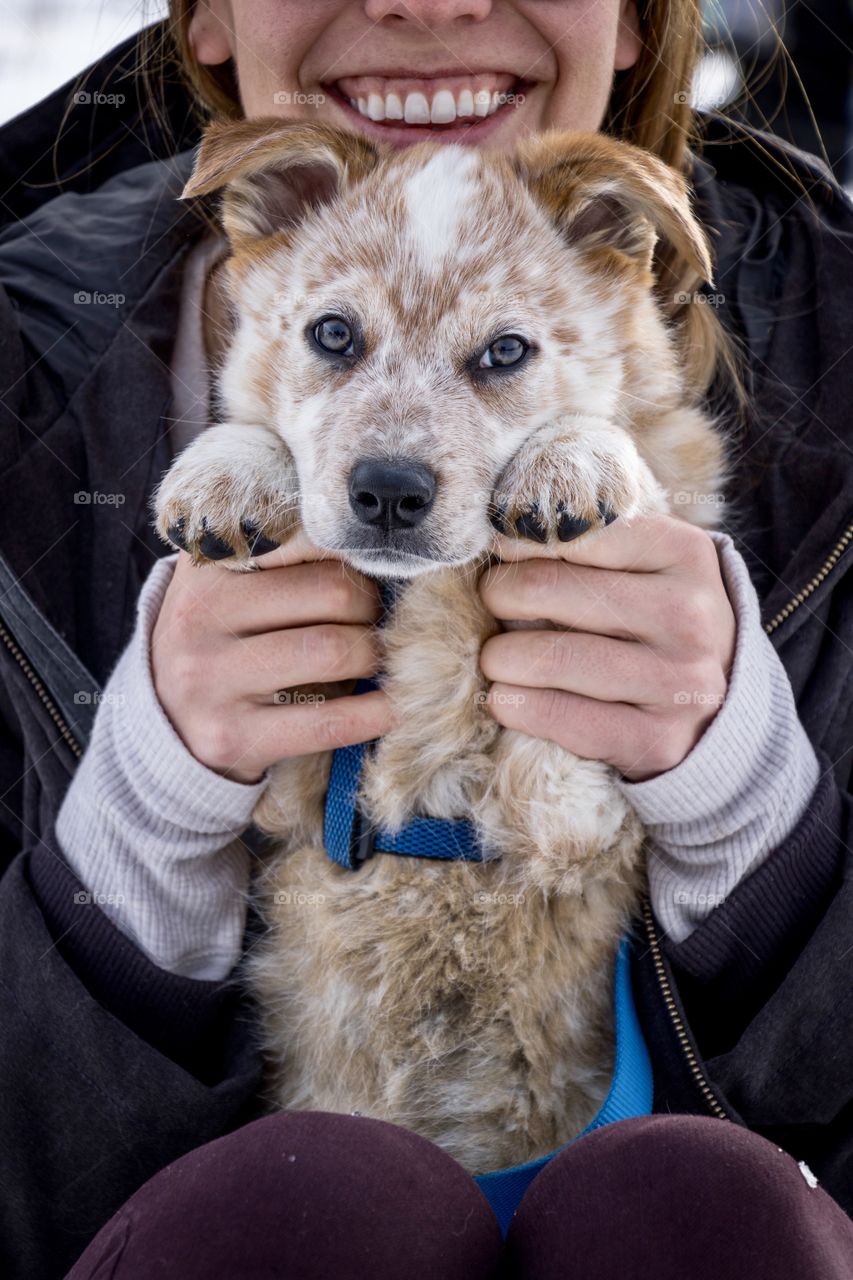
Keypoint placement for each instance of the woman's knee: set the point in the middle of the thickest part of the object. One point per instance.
(304, 1194)
(688, 1195)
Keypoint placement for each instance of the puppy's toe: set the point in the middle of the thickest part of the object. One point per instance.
(606, 512)
(175, 533)
(530, 524)
(257, 542)
(211, 546)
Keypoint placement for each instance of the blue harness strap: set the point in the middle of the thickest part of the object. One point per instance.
(350, 840)
(631, 1094)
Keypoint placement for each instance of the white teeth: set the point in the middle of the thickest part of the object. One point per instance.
(393, 107)
(416, 110)
(482, 102)
(376, 106)
(443, 109)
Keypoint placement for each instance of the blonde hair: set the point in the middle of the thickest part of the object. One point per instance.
(650, 106)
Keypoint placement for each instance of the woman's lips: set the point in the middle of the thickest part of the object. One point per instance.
(441, 108)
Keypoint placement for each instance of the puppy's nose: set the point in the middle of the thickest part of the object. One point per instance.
(394, 494)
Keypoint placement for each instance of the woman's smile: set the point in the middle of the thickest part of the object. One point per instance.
(403, 108)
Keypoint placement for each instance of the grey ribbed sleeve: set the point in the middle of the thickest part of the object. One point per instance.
(150, 830)
(744, 786)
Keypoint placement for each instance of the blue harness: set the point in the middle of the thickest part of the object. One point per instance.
(350, 841)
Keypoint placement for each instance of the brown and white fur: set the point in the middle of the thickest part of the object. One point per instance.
(469, 1002)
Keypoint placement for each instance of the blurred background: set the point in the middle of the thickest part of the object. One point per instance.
(47, 42)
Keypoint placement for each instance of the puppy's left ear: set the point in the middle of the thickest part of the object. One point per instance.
(601, 191)
(273, 171)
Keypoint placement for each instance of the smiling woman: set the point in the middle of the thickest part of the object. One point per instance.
(564, 56)
(497, 343)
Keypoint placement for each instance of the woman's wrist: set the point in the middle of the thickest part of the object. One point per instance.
(743, 787)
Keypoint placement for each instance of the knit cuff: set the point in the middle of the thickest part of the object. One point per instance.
(151, 831)
(717, 815)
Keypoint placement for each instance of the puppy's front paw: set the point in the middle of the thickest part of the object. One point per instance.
(559, 486)
(230, 496)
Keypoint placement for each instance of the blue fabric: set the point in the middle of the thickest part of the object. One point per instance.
(631, 1094)
(421, 837)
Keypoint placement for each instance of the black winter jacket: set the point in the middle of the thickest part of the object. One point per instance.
(109, 1067)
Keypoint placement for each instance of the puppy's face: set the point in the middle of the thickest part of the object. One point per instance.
(409, 335)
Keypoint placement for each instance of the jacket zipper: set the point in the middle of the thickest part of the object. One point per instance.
(52, 709)
(708, 1096)
(826, 568)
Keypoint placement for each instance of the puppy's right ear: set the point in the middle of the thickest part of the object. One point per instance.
(273, 171)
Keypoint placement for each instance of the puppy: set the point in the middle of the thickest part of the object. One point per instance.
(430, 344)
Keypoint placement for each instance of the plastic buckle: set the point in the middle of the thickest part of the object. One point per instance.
(364, 839)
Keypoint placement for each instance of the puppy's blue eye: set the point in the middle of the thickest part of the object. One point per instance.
(504, 352)
(335, 335)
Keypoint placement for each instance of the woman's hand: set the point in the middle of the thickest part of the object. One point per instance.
(225, 643)
(644, 667)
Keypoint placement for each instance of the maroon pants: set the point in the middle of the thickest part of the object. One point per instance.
(310, 1195)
